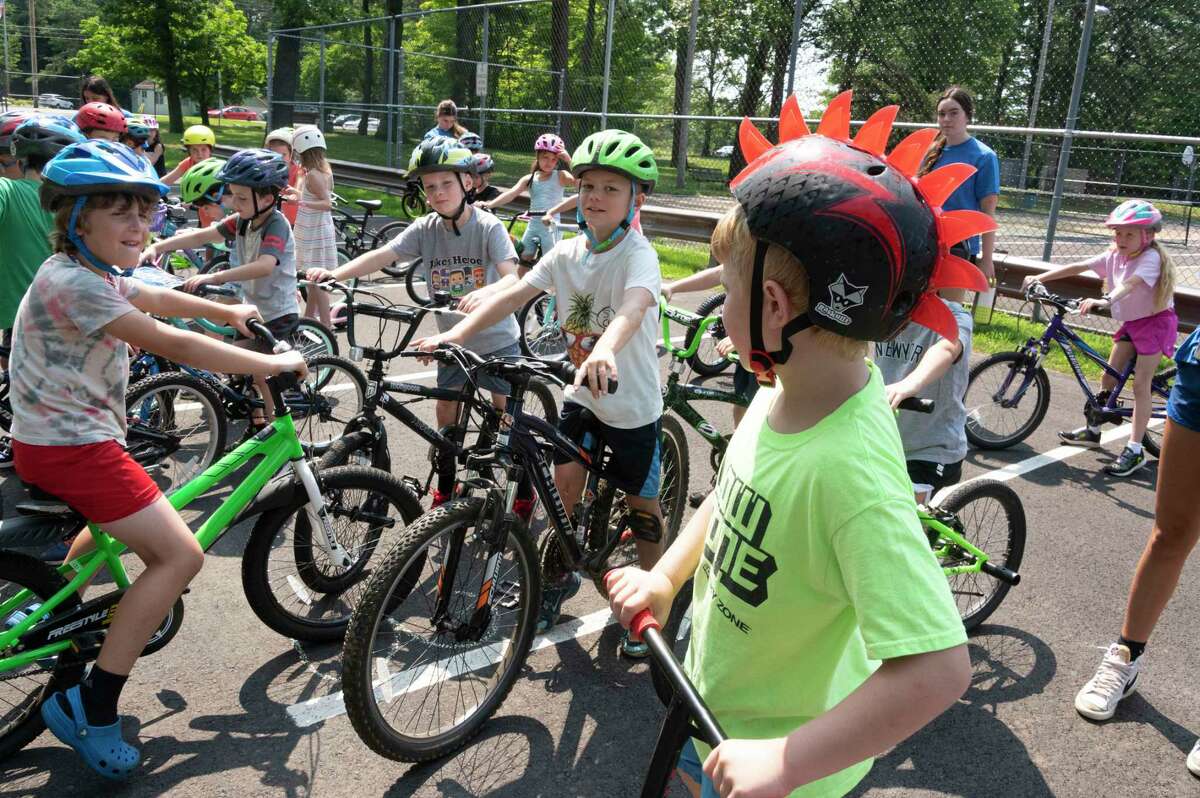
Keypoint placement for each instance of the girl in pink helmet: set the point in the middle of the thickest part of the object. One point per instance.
(1139, 281)
(546, 183)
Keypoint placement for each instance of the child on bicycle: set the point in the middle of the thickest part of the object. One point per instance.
(1140, 281)
(138, 129)
(199, 141)
(280, 141)
(606, 282)
(919, 362)
(24, 225)
(809, 552)
(261, 254)
(316, 240)
(461, 246)
(546, 183)
(69, 377)
(101, 121)
(484, 166)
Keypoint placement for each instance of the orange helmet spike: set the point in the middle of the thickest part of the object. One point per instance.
(939, 184)
(952, 271)
(961, 225)
(933, 313)
(791, 121)
(835, 122)
(873, 135)
(906, 156)
(751, 141)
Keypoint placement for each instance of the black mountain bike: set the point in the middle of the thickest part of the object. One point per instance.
(448, 618)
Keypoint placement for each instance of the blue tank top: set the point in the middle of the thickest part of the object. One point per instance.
(545, 194)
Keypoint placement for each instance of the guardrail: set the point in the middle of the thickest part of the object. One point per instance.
(697, 226)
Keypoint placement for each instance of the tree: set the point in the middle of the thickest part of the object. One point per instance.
(290, 14)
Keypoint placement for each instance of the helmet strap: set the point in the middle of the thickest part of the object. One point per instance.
(762, 361)
(468, 198)
(618, 231)
(77, 241)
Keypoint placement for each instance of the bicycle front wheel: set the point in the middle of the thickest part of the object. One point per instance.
(541, 334)
(993, 520)
(433, 648)
(176, 427)
(706, 362)
(1006, 399)
(330, 396)
(289, 578)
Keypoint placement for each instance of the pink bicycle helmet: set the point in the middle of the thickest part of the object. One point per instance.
(1137, 213)
(548, 142)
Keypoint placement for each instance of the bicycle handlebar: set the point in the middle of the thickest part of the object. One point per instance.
(1036, 292)
(916, 404)
(562, 371)
(700, 324)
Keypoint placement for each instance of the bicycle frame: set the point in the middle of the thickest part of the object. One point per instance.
(277, 446)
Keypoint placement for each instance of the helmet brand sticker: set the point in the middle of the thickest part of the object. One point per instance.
(843, 296)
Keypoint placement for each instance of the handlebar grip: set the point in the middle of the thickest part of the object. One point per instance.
(917, 404)
(218, 290)
(641, 622)
(567, 372)
(260, 331)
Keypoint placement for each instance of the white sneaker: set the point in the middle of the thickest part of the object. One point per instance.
(1115, 678)
(1193, 760)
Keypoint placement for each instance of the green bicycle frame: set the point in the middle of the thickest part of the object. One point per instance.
(205, 324)
(949, 539)
(278, 445)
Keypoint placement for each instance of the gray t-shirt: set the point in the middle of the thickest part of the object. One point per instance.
(940, 436)
(460, 264)
(275, 294)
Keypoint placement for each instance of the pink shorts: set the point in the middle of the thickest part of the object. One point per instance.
(98, 480)
(1151, 335)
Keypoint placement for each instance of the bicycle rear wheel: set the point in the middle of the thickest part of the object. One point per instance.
(330, 396)
(541, 332)
(706, 362)
(23, 690)
(993, 520)
(291, 583)
(176, 427)
(996, 417)
(312, 339)
(418, 687)
(384, 236)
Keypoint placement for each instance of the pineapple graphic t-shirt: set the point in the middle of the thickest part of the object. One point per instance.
(588, 289)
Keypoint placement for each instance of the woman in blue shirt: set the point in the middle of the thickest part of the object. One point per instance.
(447, 121)
(955, 110)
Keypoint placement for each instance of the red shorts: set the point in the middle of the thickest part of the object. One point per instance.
(98, 480)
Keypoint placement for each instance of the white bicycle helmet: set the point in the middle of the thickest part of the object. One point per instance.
(306, 137)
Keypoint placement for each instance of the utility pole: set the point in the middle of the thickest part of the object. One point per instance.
(690, 55)
(33, 59)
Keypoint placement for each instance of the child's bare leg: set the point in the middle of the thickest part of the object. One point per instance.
(1118, 359)
(1142, 399)
(317, 305)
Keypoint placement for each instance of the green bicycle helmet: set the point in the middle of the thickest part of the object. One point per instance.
(444, 154)
(201, 183)
(619, 152)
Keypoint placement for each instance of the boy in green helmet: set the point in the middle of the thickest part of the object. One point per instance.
(606, 280)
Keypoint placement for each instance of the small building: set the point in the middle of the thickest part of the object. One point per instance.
(148, 98)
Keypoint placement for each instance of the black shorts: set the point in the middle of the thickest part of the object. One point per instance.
(282, 328)
(744, 382)
(634, 454)
(924, 472)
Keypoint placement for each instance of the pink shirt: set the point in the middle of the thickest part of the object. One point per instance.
(1117, 269)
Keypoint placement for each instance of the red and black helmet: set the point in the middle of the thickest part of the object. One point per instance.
(100, 116)
(872, 237)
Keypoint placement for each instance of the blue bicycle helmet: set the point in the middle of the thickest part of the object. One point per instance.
(96, 167)
(43, 136)
(471, 141)
(258, 169)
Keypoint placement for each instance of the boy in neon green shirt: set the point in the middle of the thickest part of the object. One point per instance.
(823, 631)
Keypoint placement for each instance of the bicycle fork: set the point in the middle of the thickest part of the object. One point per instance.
(318, 516)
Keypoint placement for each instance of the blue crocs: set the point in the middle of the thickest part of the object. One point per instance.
(553, 598)
(101, 747)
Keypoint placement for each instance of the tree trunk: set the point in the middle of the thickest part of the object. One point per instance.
(1002, 83)
(750, 97)
(287, 75)
(681, 67)
(782, 50)
(462, 76)
(579, 125)
(171, 72)
(368, 72)
(560, 39)
(391, 9)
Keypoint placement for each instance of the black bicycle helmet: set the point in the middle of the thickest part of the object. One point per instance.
(43, 136)
(873, 239)
(258, 169)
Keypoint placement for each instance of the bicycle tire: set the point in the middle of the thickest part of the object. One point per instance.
(155, 402)
(5, 402)
(21, 720)
(217, 263)
(706, 362)
(312, 339)
(356, 448)
(383, 237)
(1152, 440)
(414, 205)
(546, 401)
(410, 276)
(333, 393)
(609, 506)
(538, 339)
(387, 594)
(304, 576)
(986, 377)
(1004, 545)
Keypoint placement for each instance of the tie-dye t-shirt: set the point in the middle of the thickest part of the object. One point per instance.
(68, 376)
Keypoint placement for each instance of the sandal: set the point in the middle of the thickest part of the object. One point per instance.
(101, 747)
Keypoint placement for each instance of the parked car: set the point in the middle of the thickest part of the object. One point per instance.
(234, 112)
(724, 152)
(337, 120)
(54, 101)
(351, 125)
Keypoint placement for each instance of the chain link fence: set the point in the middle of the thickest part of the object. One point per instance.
(1084, 104)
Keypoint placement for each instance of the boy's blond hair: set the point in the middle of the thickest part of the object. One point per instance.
(733, 246)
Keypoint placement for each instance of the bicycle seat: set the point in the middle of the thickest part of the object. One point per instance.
(43, 503)
(369, 205)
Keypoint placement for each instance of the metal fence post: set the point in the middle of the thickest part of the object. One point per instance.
(797, 15)
(681, 157)
(400, 97)
(390, 158)
(608, 34)
(1037, 91)
(483, 98)
(321, 95)
(562, 94)
(270, 82)
(1064, 155)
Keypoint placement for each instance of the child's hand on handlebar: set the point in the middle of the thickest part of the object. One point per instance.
(599, 367)
(897, 392)
(285, 362)
(432, 342)
(750, 768)
(1030, 281)
(725, 346)
(319, 275)
(148, 255)
(631, 590)
(1088, 305)
(239, 315)
(548, 220)
(666, 291)
(193, 284)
